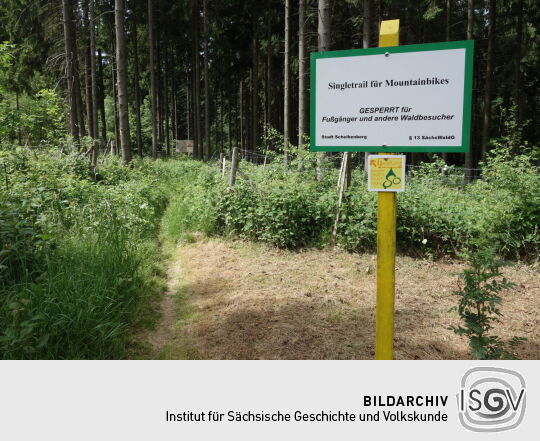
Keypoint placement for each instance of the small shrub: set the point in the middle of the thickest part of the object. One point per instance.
(479, 303)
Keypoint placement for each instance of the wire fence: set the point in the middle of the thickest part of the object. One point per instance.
(448, 175)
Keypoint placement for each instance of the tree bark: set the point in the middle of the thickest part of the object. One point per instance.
(67, 13)
(286, 75)
(101, 103)
(366, 37)
(206, 150)
(152, 67)
(254, 84)
(138, 130)
(448, 23)
(302, 75)
(323, 32)
(469, 156)
(324, 25)
(88, 90)
(519, 50)
(116, 145)
(189, 93)
(121, 63)
(448, 19)
(167, 113)
(77, 83)
(92, 24)
(366, 43)
(489, 78)
(268, 103)
(241, 119)
(196, 82)
(159, 90)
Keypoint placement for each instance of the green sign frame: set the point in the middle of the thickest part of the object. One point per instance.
(468, 45)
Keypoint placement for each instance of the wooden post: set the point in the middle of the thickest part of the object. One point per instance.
(341, 171)
(386, 242)
(234, 167)
(341, 189)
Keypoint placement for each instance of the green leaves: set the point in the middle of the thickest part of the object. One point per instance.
(77, 257)
(478, 307)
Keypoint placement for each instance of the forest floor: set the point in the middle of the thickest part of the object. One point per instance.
(240, 300)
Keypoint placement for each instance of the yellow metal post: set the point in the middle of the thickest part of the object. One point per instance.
(386, 242)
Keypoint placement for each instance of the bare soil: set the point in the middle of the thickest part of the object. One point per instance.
(238, 300)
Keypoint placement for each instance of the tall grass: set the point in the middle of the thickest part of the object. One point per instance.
(79, 260)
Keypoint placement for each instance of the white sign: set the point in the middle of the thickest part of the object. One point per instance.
(414, 100)
(184, 146)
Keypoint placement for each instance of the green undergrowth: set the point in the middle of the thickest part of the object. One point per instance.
(80, 262)
(437, 214)
(80, 258)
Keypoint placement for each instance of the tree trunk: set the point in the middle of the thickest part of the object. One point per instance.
(268, 103)
(88, 83)
(366, 43)
(152, 67)
(519, 50)
(324, 25)
(67, 13)
(114, 74)
(78, 96)
(469, 156)
(366, 37)
(188, 111)
(323, 31)
(448, 23)
(159, 91)
(206, 150)
(101, 103)
(77, 84)
(286, 93)
(254, 84)
(302, 75)
(121, 63)
(489, 78)
(241, 119)
(138, 135)
(448, 19)
(196, 81)
(167, 113)
(92, 24)
(229, 125)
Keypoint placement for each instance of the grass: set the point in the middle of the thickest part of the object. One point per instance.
(269, 303)
(81, 273)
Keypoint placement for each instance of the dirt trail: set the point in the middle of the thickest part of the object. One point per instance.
(240, 300)
(164, 333)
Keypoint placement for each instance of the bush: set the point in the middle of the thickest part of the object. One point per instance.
(283, 215)
(78, 257)
(479, 306)
(287, 207)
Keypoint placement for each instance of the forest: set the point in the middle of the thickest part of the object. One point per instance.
(114, 244)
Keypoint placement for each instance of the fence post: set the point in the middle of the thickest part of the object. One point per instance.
(222, 163)
(234, 167)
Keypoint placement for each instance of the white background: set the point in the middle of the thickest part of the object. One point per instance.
(127, 400)
(432, 99)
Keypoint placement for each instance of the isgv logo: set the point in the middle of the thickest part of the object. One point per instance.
(491, 399)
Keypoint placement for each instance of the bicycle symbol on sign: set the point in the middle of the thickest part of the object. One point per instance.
(391, 179)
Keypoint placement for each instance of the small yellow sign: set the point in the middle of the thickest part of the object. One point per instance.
(386, 173)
